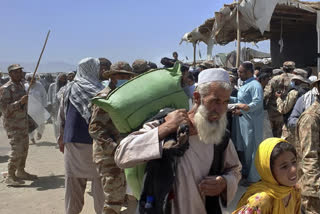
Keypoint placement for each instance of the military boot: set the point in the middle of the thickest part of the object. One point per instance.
(25, 176)
(12, 180)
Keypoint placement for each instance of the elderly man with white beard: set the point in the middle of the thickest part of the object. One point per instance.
(193, 182)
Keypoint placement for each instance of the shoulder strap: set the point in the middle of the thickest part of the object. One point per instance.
(217, 163)
(212, 203)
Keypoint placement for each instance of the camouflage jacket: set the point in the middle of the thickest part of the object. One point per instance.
(308, 136)
(277, 83)
(286, 105)
(15, 115)
(104, 134)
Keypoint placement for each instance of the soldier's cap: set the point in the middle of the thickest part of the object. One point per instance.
(301, 72)
(140, 66)
(289, 65)
(120, 67)
(298, 77)
(14, 67)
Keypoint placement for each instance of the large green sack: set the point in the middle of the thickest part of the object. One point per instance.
(130, 105)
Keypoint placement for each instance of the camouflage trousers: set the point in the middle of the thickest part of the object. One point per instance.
(19, 150)
(276, 127)
(310, 205)
(112, 179)
(288, 135)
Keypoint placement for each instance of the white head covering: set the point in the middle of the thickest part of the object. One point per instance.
(84, 87)
(213, 75)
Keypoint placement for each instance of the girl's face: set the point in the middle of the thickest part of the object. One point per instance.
(285, 169)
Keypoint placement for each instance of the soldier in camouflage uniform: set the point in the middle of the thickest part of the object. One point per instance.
(13, 105)
(279, 83)
(105, 140)
(308, 136)
(299, 86)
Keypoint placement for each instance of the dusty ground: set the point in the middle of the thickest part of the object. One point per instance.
(46, 194)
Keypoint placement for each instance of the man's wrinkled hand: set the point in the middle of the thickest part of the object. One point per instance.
(212, 186)
(175, 118)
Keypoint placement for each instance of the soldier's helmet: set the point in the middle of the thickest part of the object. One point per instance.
(301, 72)
(301, 78)
(14, 67)
(120, 67)
(140, 66)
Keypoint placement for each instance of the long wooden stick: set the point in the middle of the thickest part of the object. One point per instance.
(194, 53)
(35, 71)
(238, 36)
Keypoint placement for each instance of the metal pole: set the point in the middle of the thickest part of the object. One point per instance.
(238, 36)
(35, 71)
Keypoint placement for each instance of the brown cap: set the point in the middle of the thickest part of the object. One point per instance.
(289, 65)
(120, 67)
(140, 66)
(301, 78)
(14, 67)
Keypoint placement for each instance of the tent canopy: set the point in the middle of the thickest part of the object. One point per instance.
(258, 18)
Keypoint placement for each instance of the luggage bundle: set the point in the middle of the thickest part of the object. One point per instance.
(141, 98)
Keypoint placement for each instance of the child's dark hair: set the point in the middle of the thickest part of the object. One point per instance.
(279, 149)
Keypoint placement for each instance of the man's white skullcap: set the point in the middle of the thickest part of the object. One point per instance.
(213, 75)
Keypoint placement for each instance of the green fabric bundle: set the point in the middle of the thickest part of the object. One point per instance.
(130, 105)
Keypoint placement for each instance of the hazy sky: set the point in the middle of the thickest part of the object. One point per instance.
(115, 29)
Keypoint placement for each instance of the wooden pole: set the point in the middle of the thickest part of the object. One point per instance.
(35, 71)
(238, 36)
(194, 53)
(318, 32)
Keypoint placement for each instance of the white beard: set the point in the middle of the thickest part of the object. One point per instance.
(209, 132)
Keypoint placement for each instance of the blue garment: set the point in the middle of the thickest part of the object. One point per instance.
(249, 128)
(301, 105)
(76, 127)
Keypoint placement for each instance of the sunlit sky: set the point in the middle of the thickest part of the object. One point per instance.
(115, 29)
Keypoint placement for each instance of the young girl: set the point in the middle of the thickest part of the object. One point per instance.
(276, 192)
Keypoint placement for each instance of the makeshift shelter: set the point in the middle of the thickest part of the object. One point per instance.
(247, 54)
(290, 25)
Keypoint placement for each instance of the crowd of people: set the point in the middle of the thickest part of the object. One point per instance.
(250, 126)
